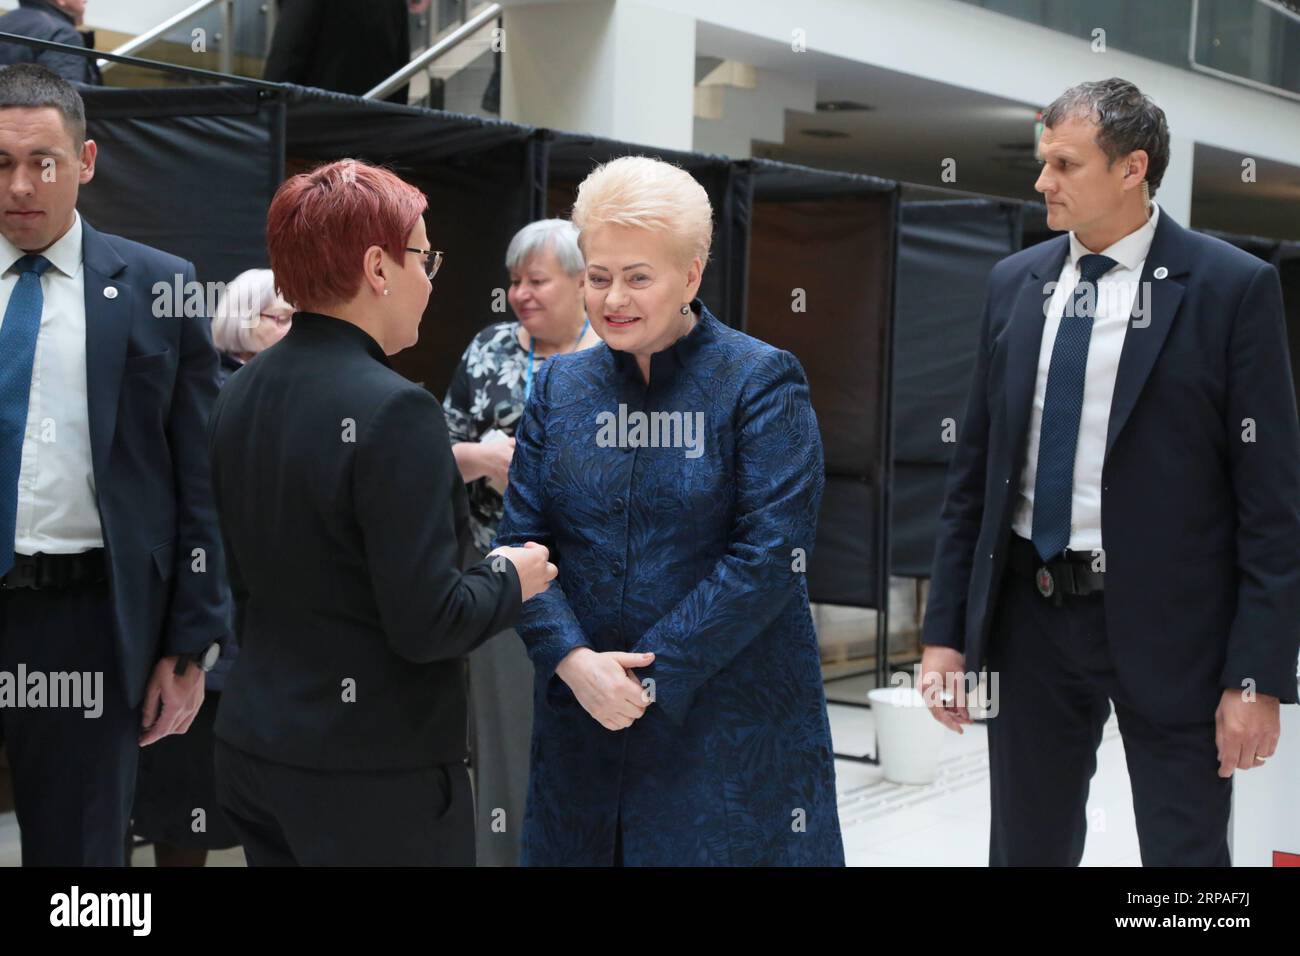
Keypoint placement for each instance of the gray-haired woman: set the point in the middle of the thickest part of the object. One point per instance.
(483, 405)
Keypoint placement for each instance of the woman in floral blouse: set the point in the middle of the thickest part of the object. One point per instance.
(496, 372)
(487, 394)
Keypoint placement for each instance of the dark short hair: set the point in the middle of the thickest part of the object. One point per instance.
(1127, 119)
(30, 86)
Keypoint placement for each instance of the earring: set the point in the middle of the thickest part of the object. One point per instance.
(386, 292)
(686, 310)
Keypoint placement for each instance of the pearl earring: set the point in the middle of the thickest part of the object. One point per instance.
(386, 292)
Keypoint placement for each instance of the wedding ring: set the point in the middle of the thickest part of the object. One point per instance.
(1259, 759)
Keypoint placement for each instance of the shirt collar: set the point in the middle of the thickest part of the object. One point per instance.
(1129, 251)
(316, 323)
(64, 255)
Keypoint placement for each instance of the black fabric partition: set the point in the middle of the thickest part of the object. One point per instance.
(1285, 256)
(569, 157)
(1033, 225)
(482, 178)
(190, 171)
(945, 251)
(193, 170)
(832, 235)
(1287, 260)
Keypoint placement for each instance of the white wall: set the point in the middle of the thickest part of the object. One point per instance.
(618, 68)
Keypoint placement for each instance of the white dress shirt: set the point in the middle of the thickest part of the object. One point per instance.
(1116, 294)
(57, 513)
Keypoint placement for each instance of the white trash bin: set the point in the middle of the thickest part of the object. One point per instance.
(908, 739)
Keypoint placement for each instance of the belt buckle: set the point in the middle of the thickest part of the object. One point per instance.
(1045, 582)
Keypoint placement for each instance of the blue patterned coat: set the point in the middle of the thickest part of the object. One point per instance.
(695, 553)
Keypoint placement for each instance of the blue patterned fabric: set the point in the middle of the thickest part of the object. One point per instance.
(1058, 440)
(696, 554)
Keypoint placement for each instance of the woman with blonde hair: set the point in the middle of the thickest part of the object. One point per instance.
(676, 472)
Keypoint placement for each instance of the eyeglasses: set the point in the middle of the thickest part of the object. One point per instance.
(432, 260)
(278, 319)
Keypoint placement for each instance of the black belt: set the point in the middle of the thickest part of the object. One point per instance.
(1069, 573)
(41, 570)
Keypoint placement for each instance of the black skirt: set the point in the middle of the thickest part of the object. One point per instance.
(176, 778)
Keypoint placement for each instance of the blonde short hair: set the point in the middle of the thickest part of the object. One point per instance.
(645, 193)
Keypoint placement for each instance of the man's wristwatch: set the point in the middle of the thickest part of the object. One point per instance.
(206, 659)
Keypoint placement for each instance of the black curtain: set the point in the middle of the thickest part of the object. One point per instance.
(190, 171)
(482, 178)
(821, 285)
(945, 252)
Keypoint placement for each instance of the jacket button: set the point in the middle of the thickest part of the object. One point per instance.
(616, 566)
(618, 505)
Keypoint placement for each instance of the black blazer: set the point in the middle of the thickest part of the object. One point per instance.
(1200, 526)
(150, 385)
(44, 21)
(343, 516)
(343, 45)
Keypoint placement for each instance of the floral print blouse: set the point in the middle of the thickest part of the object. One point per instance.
(486, 392)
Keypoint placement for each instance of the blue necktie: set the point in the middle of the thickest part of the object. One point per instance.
(1058, 435)
(17, 353)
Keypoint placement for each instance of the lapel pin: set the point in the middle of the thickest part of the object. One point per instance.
(1160, 272)
(110, 292)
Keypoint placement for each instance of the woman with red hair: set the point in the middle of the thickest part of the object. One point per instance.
(341, 733)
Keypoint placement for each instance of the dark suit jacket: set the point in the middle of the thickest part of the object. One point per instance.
(150, 385)
(344, 515)
(1200, 527)
(343, 45)
(44, 21)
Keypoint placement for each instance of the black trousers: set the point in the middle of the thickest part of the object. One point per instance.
(293, 816)
(73, 774)
(1055, 687)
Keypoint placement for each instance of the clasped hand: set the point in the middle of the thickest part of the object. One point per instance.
(605, 686)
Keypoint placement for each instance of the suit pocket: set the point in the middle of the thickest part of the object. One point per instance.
(162, 559)
(146, 363)
(444, 792)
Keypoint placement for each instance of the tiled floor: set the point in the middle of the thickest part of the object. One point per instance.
(946, 823)
(943, 824)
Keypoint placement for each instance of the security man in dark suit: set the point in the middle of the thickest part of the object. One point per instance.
(112, 563)
(341, 734)
(1123, 507)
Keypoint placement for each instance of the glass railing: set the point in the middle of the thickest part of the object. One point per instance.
(1252, 41)
(233, 37)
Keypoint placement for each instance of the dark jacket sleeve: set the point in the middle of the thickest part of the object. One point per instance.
(963, 510)
(1265, 472)
(779, 475)
(199, 611)
(404, 485)
(297, 33)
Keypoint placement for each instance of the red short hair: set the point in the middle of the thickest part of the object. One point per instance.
(321, 223)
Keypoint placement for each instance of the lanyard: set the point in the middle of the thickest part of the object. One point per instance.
(532, 345)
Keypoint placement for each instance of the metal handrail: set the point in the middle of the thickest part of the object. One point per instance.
(144, 39)
(142, 63)
(449, 42)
